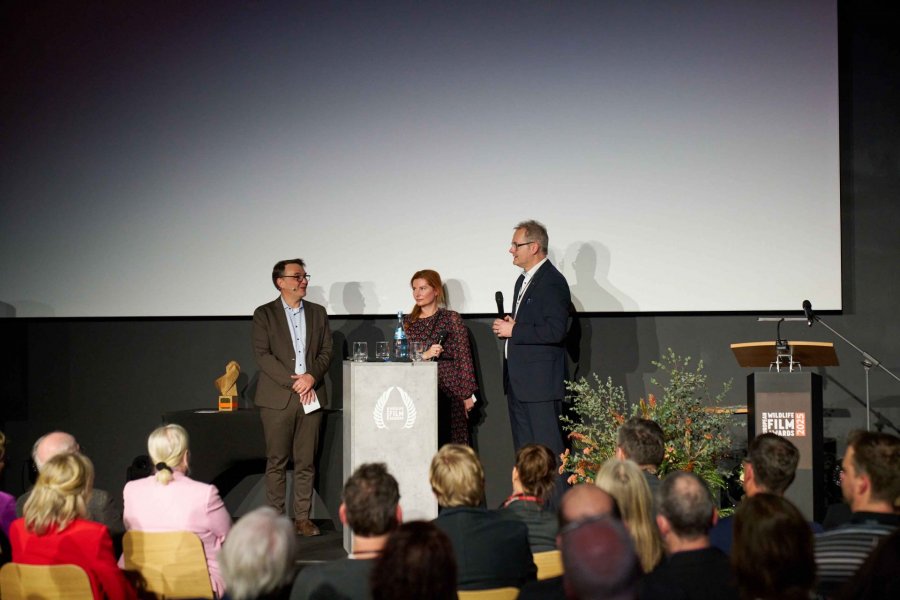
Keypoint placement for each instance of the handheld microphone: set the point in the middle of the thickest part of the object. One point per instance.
(499, 298)
(807, 310)
(442, 337)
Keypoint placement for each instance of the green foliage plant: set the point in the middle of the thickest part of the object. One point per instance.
(695, 424)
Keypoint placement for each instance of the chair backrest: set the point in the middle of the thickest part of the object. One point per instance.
(37, 582)
(504, 593)
(172, 563)
(549, 564)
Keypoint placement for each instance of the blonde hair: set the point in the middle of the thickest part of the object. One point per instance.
(61, 493)
(456, 476)
(624, 481)
(168, 448)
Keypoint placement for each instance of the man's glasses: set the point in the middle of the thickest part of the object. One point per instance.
(517, 245)
(297, 278)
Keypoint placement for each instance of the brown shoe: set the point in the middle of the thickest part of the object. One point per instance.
(306, 528)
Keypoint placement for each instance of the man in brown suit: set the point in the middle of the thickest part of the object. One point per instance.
(292, 344)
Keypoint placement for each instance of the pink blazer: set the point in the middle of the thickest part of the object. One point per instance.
(182, 505)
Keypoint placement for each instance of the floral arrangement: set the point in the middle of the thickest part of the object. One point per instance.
(695, 426)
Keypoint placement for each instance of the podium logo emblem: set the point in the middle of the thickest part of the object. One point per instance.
(785, 424)
(394, 409)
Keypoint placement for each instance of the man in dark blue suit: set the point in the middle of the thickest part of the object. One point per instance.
(534, 369)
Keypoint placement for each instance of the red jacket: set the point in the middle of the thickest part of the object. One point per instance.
(83, 543)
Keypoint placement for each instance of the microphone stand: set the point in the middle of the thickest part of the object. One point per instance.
(867, 362)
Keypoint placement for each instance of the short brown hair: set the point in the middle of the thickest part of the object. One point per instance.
(370, 498)
(536, 466)
(878, 456)
(457, 478)
(774, 461)
(278, 269)
(684, 500)
(642, 441)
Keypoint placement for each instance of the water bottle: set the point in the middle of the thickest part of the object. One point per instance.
(401, 344)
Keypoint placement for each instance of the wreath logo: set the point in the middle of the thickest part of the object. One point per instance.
(381, 407)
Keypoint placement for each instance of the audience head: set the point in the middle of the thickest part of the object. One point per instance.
(168, 448)
(871, 471)
(770, 465)
(457, 478)
(535, 470)
(258, 556)
(599, 559)
(685, 507)
(642, 441)
(61, 493)
(53, 444)
(772, 553)
(584, 501)
(417, 562)
(371, 501)
(624, 481)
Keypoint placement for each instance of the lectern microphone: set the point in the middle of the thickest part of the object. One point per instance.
(808, 311)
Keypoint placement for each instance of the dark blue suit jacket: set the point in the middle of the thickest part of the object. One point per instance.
(535, 366)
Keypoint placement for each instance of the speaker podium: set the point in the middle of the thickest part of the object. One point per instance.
(789, 404)
(390, 416)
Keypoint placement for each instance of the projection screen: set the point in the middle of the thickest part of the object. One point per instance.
(158, 158)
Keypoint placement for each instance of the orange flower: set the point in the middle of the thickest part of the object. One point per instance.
(572, 480)
(652, 400)
(588, 450)
(619, 418)
(689, 467)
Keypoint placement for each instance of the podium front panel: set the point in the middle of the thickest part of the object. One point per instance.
(390, 416)
(790, 405)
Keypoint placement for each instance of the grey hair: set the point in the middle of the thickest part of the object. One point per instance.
(258, 555)
(536, 232)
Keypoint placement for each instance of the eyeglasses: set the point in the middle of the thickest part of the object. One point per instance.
(297, 278)
(517, 245)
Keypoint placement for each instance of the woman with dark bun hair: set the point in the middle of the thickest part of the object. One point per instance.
(417, 562)
(533, 479)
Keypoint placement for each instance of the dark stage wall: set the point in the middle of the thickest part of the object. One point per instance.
(108, 381)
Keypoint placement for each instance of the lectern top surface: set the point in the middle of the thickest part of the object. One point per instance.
(763, 354)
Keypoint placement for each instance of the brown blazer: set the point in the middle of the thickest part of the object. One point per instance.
(274, 352)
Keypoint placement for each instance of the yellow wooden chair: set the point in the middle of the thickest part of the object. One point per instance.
(39, 582)
(172, 564)
(549, 564)
(504, 593)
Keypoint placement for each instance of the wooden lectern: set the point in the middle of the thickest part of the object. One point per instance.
(789, 404)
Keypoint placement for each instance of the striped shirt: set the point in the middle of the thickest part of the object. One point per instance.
(841, 551)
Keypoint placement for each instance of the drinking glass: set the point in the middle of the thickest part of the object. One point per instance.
(383, 351)
(360, 352)
(418, 348)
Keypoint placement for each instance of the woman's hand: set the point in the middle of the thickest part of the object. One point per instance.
(433, 352)
(469, 403)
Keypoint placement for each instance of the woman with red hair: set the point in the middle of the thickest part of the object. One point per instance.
(447, 341)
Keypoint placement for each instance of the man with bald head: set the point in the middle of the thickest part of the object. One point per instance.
(692, 569)
(101, 506)
(580, 503)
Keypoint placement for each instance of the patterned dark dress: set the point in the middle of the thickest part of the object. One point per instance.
(456, 372)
